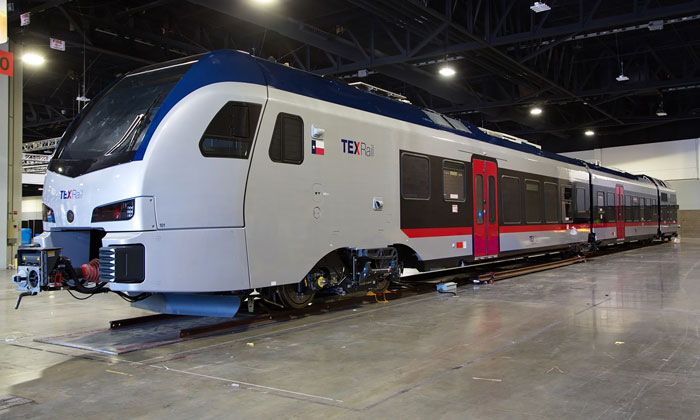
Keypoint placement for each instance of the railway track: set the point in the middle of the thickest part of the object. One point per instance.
(416, 284)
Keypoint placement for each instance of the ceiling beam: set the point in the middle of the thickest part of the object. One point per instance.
(554, 32)
(339, 46)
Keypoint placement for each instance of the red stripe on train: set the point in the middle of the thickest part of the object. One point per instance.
(604, 225)
(432, 232)
(539, 228)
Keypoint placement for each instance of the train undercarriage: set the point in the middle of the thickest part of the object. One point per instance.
(338, 273)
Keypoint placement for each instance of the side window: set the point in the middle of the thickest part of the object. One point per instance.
(654, 210)
(567, 209)
(601, 200)
(600, 206)
(532, 202)
(581, 201)
(230, 133)
(452, 181)
(610, 209)
(287, 145)
(628, 208)
(479, 200)
(415, 177)
(635, 208)
(492, 200)
(510, 199)
(674, 208)
(647, 209)
(641, 209)
(550, 203)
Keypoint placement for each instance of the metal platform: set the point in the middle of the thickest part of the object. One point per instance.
(130, 338)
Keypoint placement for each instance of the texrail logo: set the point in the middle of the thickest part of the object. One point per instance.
(352, 147)
(70, 194)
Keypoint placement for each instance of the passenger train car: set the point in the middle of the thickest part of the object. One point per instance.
(191, 183)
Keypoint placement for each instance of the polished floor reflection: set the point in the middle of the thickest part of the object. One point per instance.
(615, 338)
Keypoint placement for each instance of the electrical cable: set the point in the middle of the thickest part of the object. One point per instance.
(79, 298)
(137, 298)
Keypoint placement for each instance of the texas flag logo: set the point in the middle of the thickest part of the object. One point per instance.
(317, 147)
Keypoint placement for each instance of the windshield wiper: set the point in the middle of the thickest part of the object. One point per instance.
(139, 124)
(134, 129)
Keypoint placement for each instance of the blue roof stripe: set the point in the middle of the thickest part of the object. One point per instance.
(215, 67)
(236, 66)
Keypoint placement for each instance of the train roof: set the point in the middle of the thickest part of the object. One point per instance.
(218, 66)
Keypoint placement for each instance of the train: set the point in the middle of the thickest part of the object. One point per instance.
(195, 185)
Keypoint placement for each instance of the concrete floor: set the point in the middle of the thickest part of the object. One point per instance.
(615, 338)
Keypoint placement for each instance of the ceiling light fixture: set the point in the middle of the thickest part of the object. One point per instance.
(539, 7)
(536, 111)
(447, 71)
(660, 112)
(622, 77)
(33, 59)
(589, 133)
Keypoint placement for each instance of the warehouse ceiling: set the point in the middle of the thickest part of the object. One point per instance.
(508, 59)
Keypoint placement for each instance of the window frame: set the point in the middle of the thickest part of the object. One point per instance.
(503, 200)
(564, 216)
(284, 115)
(610, 208)
(556, 200)
(539, 201)
(492, 201)
(401, 177)
(586, 208)
(464, 180)
(253, 122)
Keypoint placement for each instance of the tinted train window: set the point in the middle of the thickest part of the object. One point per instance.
(532, 202)
(230, 133)
(452, 181)
(510, 199)
(567, 209)
(664, 197)
(287, 145)
(415, 177)
(628, 208)
(550, 203)
(492, 200)
(581, 201)
(610, 209)
(479, 199)
(654, 210)
(600, 206)
(641, 209)
(647, 209)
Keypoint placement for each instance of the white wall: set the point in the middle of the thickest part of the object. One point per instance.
(31, 208)
(677, 162)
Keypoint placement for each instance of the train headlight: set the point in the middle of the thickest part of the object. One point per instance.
(47, 214)
(123, 210)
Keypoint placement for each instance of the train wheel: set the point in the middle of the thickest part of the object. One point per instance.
(296, 295)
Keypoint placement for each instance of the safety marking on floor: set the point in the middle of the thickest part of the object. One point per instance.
(248, 384)
(118, 373)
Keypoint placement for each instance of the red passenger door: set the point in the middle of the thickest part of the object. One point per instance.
(620, 211)
(485, 200)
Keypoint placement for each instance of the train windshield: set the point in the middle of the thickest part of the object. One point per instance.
(111, 129)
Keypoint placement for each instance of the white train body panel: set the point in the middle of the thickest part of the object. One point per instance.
(211, 224)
